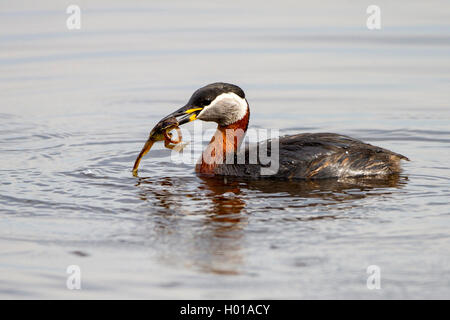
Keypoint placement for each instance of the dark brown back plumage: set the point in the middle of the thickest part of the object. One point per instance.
(319, 156)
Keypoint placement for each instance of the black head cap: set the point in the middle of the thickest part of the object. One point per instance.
(205, 95)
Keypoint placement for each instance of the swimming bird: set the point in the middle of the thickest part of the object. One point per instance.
(300, 156)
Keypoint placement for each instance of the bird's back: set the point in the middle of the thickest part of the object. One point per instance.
(317, 156)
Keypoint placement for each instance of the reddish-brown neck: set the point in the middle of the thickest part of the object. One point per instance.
(223, 144)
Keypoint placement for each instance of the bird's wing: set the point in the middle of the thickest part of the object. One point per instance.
(317, 155)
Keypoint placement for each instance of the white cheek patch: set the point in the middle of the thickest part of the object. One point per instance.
(226, 109)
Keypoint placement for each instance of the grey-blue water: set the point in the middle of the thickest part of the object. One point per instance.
(76, 107)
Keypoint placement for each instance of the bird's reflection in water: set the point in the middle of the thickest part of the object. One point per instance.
(326, 192)
(202, 221)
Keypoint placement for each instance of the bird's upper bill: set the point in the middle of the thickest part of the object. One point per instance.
(185, 114)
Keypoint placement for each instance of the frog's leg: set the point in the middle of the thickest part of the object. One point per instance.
(143, 152)
(169, 144)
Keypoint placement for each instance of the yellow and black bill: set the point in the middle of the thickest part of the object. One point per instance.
(185, 114)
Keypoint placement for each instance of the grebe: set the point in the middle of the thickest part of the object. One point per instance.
(301, 156)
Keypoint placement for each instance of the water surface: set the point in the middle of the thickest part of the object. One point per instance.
(76, 107)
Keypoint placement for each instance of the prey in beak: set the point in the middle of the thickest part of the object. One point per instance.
(162, 131)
